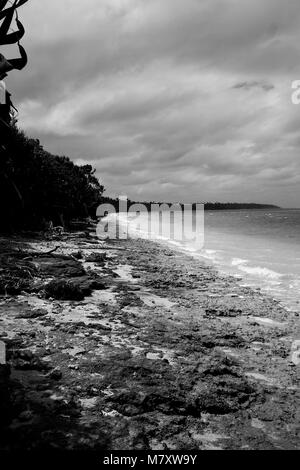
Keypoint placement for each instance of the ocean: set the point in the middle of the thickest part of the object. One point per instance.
(259, 247)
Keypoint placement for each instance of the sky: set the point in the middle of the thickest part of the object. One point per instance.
(174, 100)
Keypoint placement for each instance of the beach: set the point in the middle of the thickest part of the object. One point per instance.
(158, 351)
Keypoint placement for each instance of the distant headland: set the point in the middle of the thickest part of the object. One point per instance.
(208, 206)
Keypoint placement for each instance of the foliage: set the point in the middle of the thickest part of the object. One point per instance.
(37, 187)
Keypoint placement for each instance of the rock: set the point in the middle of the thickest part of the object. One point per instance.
(24, 354)
(25, 360)
(210, 340)
(63, 290)
(223, 312)
(99, 327)
(88, 284)
(55, 374)
(215, 404)
(59, 267)
(96, 258)
(33, 314)
(222, 389)
(72, 289)
(77, 254)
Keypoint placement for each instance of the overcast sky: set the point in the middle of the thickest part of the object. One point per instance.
(169, 99)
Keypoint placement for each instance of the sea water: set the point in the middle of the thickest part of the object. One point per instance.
(260, 247)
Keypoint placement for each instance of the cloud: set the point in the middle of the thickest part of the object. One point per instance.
(254, 84)
(168, 99)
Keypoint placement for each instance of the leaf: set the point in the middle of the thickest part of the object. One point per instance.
(8, 17)
(19, 64)
(13, 37)
(21, 2)
(3, 4)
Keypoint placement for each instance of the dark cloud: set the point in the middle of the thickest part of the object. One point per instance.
(254, 84)
(168, 99)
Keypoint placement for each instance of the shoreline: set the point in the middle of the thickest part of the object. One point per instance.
(272, 273)
(243, 282)
(167, 354)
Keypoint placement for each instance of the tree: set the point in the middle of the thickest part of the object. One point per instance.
(36, 185)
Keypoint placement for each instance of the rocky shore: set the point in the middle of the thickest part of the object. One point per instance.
(130, 345)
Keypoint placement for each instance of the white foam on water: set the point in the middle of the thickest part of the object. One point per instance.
(260, 272)
(238, 261)
(208, 254)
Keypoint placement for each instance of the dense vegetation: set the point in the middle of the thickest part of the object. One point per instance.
(37, 187)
